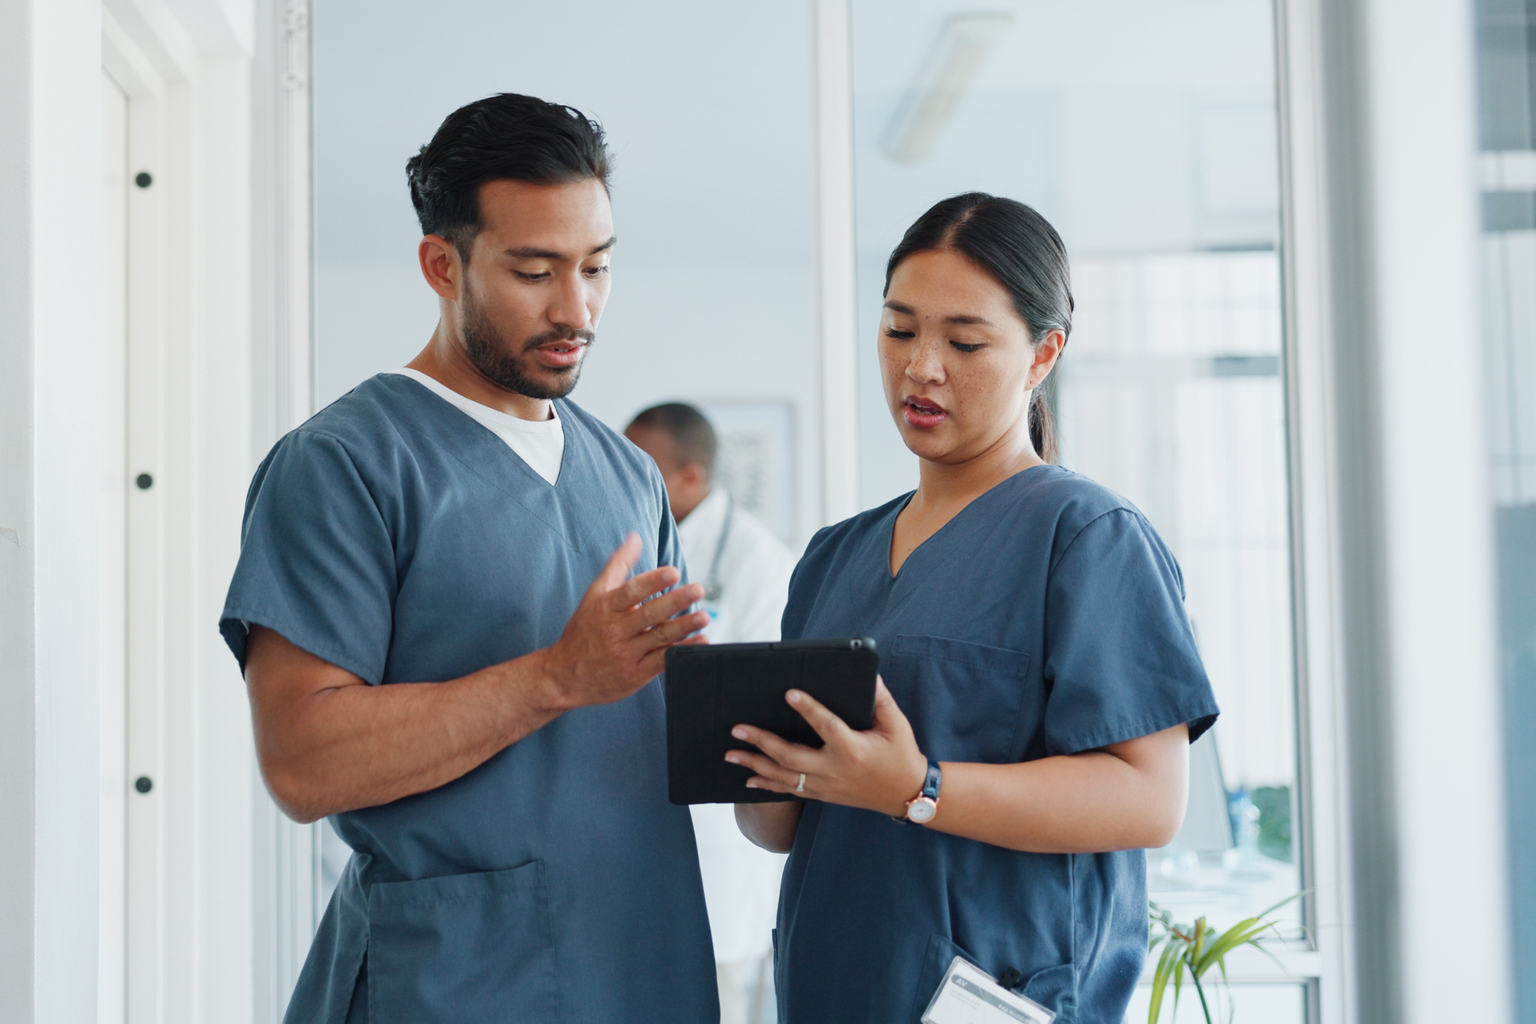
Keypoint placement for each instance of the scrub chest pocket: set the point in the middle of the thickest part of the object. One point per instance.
(474, 947)
(965, 700)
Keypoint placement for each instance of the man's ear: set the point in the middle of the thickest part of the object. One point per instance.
(696, 474)
(441, 265)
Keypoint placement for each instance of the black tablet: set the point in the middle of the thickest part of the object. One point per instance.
(713, 688)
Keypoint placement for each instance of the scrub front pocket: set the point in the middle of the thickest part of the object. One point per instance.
(964, 699)
(476, 947)
(1054, 988)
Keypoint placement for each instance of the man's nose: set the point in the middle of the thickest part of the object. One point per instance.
(570, 307)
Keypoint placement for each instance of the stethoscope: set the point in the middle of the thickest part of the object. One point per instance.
(712, 587)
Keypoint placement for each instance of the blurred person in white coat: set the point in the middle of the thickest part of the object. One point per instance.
(745, 570)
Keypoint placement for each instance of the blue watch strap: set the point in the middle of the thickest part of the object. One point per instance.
(933, 781)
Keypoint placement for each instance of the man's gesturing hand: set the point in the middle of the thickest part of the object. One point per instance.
(617, 640)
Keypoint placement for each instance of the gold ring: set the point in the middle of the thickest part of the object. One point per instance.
(801, 787)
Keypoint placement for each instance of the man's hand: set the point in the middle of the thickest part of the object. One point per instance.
(617, 640)
(328, 742)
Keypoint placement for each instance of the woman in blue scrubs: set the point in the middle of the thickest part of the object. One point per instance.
(1043, 681)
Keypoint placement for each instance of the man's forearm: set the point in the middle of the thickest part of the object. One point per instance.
(354, 745)
(772, 825)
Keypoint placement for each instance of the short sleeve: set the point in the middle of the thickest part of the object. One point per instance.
(317, 564)
(1121, 660)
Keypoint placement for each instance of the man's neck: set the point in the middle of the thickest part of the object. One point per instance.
(683, 513)
(447, 363)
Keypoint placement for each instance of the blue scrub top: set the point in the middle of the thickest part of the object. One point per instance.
(395, 537)
(1046, 618)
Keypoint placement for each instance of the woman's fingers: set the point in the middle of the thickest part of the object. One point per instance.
(889, 718)
(827, 725)
(792, 756)
(766, 768)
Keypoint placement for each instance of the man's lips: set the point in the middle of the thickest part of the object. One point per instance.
(560, 354)
(923, 412)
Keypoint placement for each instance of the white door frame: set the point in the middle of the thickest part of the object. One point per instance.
(218, 886)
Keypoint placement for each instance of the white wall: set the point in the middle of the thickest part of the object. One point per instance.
(49, 506)
(708, 111)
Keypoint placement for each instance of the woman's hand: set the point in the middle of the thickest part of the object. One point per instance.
(879, 770)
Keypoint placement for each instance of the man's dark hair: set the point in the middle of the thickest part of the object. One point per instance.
(693, 439)
(506, 137)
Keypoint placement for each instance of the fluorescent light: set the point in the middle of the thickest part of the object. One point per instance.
(962, 44)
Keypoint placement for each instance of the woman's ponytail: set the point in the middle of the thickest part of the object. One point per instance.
(1042, 425)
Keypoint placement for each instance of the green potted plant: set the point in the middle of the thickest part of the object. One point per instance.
(1195, 949)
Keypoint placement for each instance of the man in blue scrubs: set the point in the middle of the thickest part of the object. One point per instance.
(461, 531)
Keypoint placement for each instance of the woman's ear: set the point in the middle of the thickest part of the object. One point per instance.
(1047, 351)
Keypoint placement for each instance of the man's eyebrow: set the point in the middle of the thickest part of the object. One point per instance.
(533, 252)
(959, 318)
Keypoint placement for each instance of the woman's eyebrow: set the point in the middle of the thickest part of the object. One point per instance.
(958, 318)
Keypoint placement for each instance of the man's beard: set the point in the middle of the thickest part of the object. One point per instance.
(488, 349)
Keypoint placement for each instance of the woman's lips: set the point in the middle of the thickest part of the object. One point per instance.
(560, 354)
(923, 413)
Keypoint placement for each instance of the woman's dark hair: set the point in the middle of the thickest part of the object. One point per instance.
(506, 137)
(1021, 250)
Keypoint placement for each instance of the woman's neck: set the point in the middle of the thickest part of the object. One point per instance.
(949, 484)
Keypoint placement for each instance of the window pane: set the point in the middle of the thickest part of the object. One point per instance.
(1146, 135)
(1507, 69)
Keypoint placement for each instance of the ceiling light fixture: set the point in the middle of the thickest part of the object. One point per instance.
(942, 78)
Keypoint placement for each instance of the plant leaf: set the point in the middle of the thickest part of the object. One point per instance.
(1160, 981)
(1239, 934)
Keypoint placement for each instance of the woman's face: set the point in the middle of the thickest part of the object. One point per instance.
(957, 359)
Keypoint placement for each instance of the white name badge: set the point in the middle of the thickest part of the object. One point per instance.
(967, 995)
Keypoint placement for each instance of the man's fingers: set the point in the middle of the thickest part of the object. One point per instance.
(673, 630)
(670, 634)
(619, 565)
(827, 725)
(668, 605)
(633, 591)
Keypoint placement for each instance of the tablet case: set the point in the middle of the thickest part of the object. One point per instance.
(710, 689)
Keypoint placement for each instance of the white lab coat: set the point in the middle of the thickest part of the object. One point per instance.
(751, 570)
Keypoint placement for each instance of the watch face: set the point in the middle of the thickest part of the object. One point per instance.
(922, 809)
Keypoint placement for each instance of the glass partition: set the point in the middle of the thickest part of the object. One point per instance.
(1146, 135)
(1507, 67)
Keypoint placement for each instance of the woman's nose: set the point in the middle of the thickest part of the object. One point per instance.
(925, 367)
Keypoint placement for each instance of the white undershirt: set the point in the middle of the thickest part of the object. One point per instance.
(540, 443)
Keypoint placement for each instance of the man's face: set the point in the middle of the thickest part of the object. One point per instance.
(536, 283)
